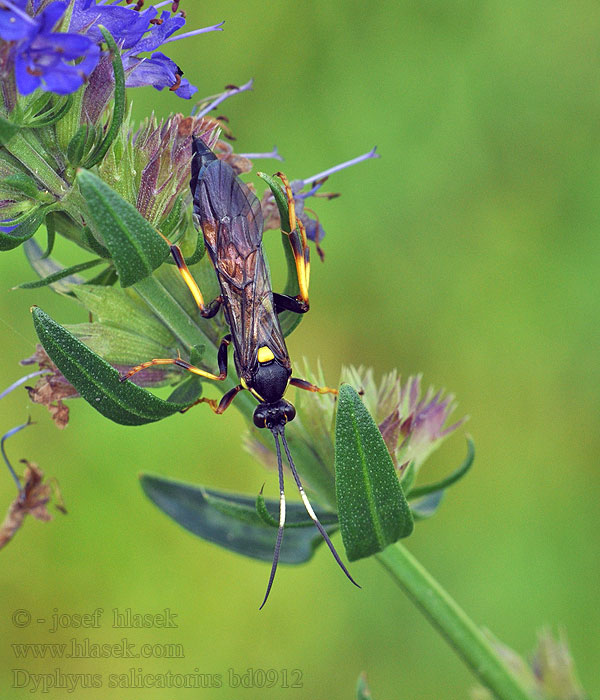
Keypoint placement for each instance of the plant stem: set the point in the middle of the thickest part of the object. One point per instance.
(445, 615)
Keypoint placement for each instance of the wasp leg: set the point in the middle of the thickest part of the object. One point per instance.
(220, 406)
(221, 359)
(283, 302)
(303, 384)
(298, 243)
(206, 311)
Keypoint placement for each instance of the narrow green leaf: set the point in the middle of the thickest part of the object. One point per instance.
(96, 380)
(263, 511)
(24, 231)
(408, 477)
(33, 104)
(134, 245)
(50, 116)
(271, 517)
(288, 320)
(188, 391)
(280, 199)
(452, 478)
(59, 275)
(21, 183)
(231, 521)
(169, 224)
(79, 144)
(46, 266)
(118, 102)
(51, 234)
(105, 278)
(372, 509)
(7, 130)
(196, 256)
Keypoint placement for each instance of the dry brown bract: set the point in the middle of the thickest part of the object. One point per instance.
(32, 500)
(51, 389)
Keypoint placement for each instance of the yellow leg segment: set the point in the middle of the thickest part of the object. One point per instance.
(307, 386)
(207, 311)
(300, 249)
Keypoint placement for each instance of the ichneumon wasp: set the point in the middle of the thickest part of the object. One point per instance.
(232, 225)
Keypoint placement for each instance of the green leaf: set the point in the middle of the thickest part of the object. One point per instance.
(96, 380)
(105, 278)
(171, 221)
(46, 266)
(408, 478)
(288, 320)
(21, 183)
(24, 231)
(263, 511)
(452, 478)
(7, 130)
(50, 116)
(51, 234)
(280, 199)
(60, 274)
(231, 521)
(197, 353)
(197, 255)
(124, 347)
(80, 144)
(372, 509)
(134, 245)
(188, 391)
(119, 101)
(272, 518)
(123, 309)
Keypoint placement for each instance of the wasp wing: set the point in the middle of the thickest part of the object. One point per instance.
(231, 220)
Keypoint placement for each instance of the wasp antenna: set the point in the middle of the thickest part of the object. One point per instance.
(311, 512)
(281, 521)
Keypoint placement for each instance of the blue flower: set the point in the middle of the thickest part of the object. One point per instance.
(59, 62)
(15, 23)
(137, 33)
(127, 26)
(159, 71)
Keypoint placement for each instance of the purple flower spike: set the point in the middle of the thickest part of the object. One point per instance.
(413, 427)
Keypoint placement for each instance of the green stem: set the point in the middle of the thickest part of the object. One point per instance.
(446, 616)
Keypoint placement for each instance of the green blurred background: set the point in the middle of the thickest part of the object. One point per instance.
(468, 252)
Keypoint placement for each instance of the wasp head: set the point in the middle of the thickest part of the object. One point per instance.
(273, 415)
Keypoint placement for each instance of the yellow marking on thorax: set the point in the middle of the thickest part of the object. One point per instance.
(265, 354)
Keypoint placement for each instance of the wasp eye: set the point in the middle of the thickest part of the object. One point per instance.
(260, 417)
(289, 412)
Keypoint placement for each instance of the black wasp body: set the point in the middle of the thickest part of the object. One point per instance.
(231, 220)
(230, 217)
